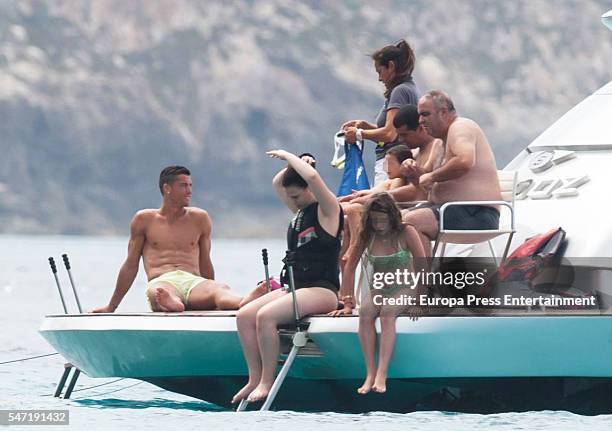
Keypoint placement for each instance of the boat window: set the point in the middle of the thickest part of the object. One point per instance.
(584, 127)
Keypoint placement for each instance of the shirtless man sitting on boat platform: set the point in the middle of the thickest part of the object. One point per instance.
(174, 242)
(467, 172)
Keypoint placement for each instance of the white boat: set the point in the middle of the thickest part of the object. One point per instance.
(510, 360)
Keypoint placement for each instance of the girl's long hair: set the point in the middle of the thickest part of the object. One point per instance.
(384, 203)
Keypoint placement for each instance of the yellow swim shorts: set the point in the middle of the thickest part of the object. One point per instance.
(182, 281)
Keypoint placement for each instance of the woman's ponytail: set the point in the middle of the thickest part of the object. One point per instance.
(402, 55)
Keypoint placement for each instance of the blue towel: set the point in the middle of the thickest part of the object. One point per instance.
(354, 176)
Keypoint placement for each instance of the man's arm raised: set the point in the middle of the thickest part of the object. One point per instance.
(129, 269)
(206, 267)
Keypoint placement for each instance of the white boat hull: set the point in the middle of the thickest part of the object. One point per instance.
(436, 359)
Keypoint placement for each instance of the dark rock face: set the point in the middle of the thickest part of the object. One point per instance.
(97, 97)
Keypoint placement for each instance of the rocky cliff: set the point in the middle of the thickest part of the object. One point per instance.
(97, 96)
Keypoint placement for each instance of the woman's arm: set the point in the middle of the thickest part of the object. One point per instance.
(363, 196)
(328, 203)
(360, 124)
(386, 133)
(365, 125)
(277, 183)
(347, 286)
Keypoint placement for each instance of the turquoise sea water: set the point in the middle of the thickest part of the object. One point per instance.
(28, 292)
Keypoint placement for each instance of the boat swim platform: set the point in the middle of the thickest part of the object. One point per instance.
(431, 312)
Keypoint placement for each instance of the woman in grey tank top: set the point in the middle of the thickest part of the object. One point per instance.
(394, 65)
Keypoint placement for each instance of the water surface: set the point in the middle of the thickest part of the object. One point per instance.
(28, 292)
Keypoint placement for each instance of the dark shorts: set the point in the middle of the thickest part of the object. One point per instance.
(465, 217)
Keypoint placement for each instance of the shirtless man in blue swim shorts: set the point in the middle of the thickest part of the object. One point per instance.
(174, 242)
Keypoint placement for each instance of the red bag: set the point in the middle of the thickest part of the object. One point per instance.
(528, 259)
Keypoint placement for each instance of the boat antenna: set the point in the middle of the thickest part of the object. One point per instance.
(57, 283)
(67, 366)
(76, 297)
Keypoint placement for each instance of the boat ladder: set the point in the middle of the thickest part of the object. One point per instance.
(62, 382)
(299, 340)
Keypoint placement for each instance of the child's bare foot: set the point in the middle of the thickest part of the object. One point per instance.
(367, 386)
(244, 392)
(260, 393)
(167, 302)
(380, 384)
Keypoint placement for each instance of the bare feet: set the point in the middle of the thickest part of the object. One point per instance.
(367, 385)
(167, 302)
(260, 290)
(380, 383)
(260, 393)
(244, 392)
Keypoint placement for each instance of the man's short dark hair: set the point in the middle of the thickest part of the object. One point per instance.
(169, 174)
(292, 178)
(400, 152)
(407, 116)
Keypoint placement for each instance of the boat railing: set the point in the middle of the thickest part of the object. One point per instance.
(68, 367)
